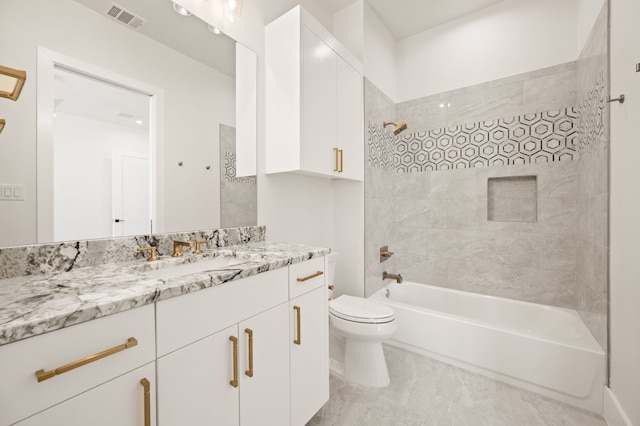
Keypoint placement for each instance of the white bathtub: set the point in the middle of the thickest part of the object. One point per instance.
(541, 348)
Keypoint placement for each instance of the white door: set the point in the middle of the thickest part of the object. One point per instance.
(309, 358)
(194, 383)
(264, 389)
(118, 402)
(131, 194)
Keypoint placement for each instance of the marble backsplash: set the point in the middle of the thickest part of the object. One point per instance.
(65, 256)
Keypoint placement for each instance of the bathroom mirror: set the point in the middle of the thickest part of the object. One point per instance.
(142, 47)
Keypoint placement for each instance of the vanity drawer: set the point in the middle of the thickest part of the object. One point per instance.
(194, 316)
(306, 276)
(21, 394)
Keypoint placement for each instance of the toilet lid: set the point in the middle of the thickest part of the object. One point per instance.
(358, 309)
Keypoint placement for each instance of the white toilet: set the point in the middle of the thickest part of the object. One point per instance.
(358, 326)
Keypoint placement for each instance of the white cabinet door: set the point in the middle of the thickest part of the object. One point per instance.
(309, 346)
(194, 383)
(264, 389)
(350, 120)
(318, 82)
(120, 401)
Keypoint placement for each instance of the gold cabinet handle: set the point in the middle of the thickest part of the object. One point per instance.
(146, 386)
(298, 340)
(317, 274)
(42, 375)
(234, 382)
(249, 372)
(341, 158)
(337, 167)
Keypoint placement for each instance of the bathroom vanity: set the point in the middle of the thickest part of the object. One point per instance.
(237, 335)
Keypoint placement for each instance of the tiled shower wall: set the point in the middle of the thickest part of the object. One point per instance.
(435, 190)
(426, 189)
(593, 180)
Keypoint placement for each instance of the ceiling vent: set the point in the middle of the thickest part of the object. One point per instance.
(125, 17)
(125, 115)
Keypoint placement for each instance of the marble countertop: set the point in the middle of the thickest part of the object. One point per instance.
(35, 304)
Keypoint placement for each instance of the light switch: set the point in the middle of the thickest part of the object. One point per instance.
(10, 192)
(18, 193)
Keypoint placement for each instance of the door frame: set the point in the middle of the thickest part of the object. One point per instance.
(47, 61)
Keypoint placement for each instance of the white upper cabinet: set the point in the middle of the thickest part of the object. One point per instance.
(350, 120)
(314, 101)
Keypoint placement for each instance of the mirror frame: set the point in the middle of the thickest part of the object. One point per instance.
(47, 60)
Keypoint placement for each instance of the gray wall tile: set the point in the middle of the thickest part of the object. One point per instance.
(550, 92)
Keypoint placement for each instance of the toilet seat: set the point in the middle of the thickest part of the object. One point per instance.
(360, 310)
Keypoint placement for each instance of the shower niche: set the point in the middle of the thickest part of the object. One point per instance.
(512, 199)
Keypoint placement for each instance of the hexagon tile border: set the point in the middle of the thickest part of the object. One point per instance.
(548, 136)
(230, 170)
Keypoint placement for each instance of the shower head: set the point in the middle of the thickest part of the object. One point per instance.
(399, 127)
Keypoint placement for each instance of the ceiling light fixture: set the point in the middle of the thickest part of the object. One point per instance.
(180, 10)
(11, 82)
(213, 29)
(232, 9)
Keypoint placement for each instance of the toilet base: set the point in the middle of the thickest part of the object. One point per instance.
(364, 363)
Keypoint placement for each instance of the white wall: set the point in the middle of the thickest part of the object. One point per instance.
(511, 37)
(348, 28)
(83, 174)
(625, 209)
(380, 60)
(191, 130)
(588, 11)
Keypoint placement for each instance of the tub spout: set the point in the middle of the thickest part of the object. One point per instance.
(397, 277)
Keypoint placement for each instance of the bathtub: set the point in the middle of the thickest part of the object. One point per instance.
(541, 348)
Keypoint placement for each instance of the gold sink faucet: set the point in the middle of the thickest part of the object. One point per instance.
(154, 255)
(177, 247)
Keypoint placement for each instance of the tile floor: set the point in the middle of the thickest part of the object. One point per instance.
(426, 392)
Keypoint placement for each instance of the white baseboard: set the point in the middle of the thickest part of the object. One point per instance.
(613, 412)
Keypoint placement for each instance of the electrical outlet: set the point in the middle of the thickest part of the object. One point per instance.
(10, 192)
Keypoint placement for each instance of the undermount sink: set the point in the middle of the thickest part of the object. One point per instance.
(194, 267)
